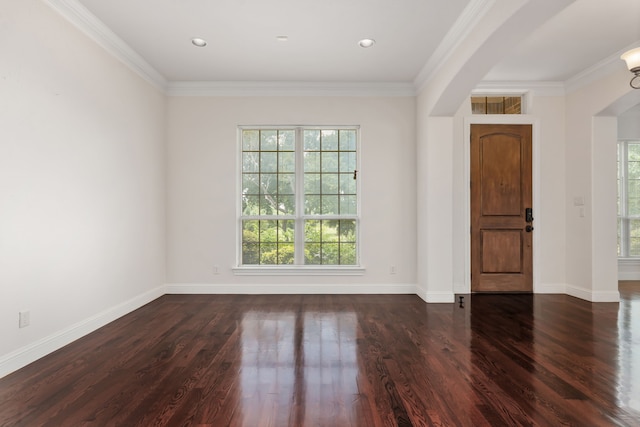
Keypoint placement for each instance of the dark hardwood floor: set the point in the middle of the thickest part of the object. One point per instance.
(207, 360)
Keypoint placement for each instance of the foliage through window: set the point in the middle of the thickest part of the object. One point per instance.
(299, 196)
(628, 199)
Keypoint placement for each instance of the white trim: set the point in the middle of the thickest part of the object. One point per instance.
(593, 296)
(95, 29)
(291, 289)
(503, 119)
(299, 271)
(628, 268)
(551, 288)
(240, 89)
(34, 351)
(468, 19)
(512, 87)
(439, 297)
(598, 70)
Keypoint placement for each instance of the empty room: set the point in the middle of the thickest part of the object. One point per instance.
(319, 213)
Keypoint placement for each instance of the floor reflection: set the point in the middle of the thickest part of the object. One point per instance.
(309, 375)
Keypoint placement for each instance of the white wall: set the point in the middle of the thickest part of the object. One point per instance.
(591, 174)
(629, 124)
(81, 184)
(202, 172)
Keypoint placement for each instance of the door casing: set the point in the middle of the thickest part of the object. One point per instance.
(535, 168)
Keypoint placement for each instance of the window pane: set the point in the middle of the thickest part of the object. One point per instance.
(312, 183)
(312, 162)
(329, 162)
(347, 161)
(250, 183)
(329, 205)
(250, 140)
(347, 253)
(634, 152)
(330, 183)
(633, 197)
(286, 183)
(331, 253)
(347, 184)
(287, 140)
(348, 140)
(268, 183)
(348, 205)
(250, 162)
(329, 140)
(286, 205)
(634, 237)
(250, 205)
(312, 140)
(269, 140)
(268, 162)
(287, 162)
(312, 205)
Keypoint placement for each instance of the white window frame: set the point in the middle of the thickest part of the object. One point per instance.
(300, 217)
(623, 189)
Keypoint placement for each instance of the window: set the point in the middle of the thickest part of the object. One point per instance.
(496, 105)
(299, 198)
(628, 199)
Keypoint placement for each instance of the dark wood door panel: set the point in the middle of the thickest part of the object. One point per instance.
(501, 190)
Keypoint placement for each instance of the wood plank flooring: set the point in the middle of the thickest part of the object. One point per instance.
(348, 360)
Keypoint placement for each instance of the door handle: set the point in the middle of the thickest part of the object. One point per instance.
(528, 228)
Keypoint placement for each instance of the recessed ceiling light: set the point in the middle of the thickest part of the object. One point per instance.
(282, 38)
(197, 41)
(366, 42)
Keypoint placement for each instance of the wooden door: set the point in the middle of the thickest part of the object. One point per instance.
(501, 236)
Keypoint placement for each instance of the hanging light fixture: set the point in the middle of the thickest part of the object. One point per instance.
(632, 58)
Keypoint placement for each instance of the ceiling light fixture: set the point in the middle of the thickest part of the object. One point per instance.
(282, 38)
(366, 43)
(197, 41)
(632, 58)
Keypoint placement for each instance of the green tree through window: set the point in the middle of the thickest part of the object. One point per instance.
(299, 196)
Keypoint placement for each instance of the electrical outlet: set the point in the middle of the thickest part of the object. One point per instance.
(216, 269)
(24, 319)
(392, 269)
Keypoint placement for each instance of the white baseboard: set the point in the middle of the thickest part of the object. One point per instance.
(34, 351)
(593, 296)
(436, 297)
(252, 289)
(551, 288)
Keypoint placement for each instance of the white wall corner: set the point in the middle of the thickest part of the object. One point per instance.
(34, 351)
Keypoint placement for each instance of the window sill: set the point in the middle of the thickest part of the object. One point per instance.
(299, 271)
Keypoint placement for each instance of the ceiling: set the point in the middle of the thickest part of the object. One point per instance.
(323, 37)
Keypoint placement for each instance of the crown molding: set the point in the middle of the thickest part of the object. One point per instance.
(239, 89)
(599, 70)
(91, 26)
(520, 87)
(470, 16)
